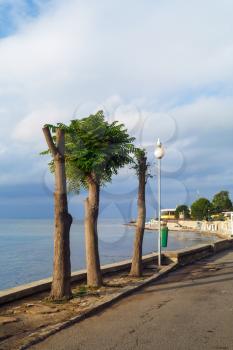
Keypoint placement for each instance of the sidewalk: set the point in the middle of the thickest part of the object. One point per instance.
(192, 308)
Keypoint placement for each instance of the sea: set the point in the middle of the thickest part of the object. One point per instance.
(26, 247)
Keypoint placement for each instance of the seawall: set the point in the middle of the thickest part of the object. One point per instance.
(182, 257)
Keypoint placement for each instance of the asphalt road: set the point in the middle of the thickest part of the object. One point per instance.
(191, 308)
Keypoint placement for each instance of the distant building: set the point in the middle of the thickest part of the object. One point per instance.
(168, 214)
(228, 215)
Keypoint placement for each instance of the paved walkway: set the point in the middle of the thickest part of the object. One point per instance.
(191, 308)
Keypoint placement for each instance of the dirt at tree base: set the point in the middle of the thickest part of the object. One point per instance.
(18, 320)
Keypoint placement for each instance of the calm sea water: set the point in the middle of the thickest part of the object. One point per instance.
(26, 247)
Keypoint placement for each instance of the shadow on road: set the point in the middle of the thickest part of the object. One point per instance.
(205, 272)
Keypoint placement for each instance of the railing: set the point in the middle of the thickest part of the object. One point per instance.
(224, 227)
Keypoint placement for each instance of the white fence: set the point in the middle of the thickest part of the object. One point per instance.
(222, 227)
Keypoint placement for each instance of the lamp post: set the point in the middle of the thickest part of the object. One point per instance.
(159, 154)
(231, 224)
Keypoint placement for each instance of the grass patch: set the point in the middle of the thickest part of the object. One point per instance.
(80, 292)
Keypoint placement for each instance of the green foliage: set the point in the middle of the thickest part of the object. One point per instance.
(182, 209)
(201, 209)
(94, 148)
(218, 217)
(221, 202)
(81, 292)
(140, 153)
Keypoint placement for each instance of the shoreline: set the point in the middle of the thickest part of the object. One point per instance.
(111, 234)
(187, 230)
(43, 285)
(30, 311)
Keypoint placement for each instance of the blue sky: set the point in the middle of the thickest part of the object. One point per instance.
(16, 12)
(164, 68)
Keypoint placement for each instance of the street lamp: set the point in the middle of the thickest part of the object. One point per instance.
(231, 224)
(159, 154)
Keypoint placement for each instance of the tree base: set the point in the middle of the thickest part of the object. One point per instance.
(55, 299)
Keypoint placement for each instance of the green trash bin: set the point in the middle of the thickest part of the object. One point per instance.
(164, 238)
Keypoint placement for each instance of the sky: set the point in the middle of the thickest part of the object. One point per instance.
(164, 68)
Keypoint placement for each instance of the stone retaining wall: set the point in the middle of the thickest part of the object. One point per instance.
(189, 255)
(223, 228)
(183, 257)
(45, 284)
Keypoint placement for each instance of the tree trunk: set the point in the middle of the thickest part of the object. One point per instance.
(61, 288)
(94, 277)
(136, 266)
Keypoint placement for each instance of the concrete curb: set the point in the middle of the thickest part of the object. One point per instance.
(183, 257)
(190, 255)
(44, 285)
(35, 338)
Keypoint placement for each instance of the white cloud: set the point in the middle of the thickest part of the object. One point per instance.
(206, 113)
(163, 68)
(29, 129)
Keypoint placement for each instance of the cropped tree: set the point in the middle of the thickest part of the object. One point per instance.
(141, 167)
(61, 288)
(201, 209)
(221, 202)
(95, 150)
(182, 209)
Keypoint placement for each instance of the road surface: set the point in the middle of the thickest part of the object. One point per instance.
(192, 308)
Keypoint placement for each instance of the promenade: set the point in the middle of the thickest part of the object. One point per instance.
(191, 308)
